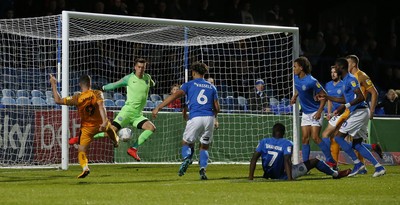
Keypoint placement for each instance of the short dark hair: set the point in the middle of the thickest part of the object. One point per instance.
(139, 60)
(353, 58)
(342, 63)
(199, 67)
(304, 63)
(85, 80)
(278, 130)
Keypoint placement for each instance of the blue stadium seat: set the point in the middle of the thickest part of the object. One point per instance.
(156, 103)
(38, 101)
(273, 102)
(120, 102)
(155, 97)
(285, 101)
(50, 101)
(49, 94)
(109, 103)
(8, 93)
(107, 95)
(8, 101)
(23, 101)
(22, 93)
(37, 93)
(119, 96)
(150, 104)
(242, 101)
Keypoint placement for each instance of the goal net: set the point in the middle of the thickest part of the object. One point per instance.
(35, 131)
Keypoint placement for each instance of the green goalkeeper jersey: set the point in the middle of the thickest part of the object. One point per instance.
(137, 90)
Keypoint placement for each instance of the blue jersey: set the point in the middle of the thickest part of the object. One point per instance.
(350, 83)
(200, 96)
(334, 91)
(272, 152)
(307, 88)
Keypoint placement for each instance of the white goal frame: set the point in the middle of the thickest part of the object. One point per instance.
(66, 15)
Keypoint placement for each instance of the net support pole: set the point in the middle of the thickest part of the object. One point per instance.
(65, 91)
(186, 55)
(296, 124)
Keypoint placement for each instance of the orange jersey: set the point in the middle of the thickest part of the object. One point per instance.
(88, 108)
(365, 82)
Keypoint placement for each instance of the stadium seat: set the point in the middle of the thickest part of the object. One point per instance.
(107, 95)
(285, 101)
(242, 101)
(120, 102)
(8, 93)
(50, 101)
(150, 104)
(273, 102)
(108, 103)
(118, 96)
(155, 97)
(156, 103)
(165, 96)
(22, 93)
(49, 94)
(37, 93)
(23, 101)
(8, 101)
(38, 101)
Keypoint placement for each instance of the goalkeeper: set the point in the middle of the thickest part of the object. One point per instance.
(137, 89)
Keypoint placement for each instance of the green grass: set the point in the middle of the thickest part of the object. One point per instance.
(159, 184)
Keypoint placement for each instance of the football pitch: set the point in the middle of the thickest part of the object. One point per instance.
(160, 184)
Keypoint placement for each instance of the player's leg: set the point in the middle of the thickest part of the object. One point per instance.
(192, 130)
(323, 167)
(315, 130)
(110, 132)
(148, 129)
(306, 121)
(205, 140)
(84, 141)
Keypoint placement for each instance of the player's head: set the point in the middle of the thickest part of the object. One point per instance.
(85, 81)
(140, 66)
(341, 66)
(353, 61)
(260, 85)
(302, 64)
(278, 130)
(334, 75)
(174, 88)
(200, 68)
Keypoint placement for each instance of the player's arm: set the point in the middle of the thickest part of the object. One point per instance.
(57, 97)
(253, 163)
(294, 97)
(374, 98)
(216, 110)
(121, 83)
(322, 102)
(329, 108)
(103, 115)
(336, 99)
(167, 101)
(288, 165)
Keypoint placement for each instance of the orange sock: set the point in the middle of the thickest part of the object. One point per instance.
(335, 149)
(83, 161)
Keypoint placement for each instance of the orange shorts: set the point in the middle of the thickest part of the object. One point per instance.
(87, 133)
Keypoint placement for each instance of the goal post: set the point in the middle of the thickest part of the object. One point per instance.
(105, 46)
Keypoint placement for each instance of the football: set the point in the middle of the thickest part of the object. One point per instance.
(125, 134)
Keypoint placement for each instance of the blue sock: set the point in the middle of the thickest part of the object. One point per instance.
(327, 141)
(346, 147)
(203, 158)
(327, 151)
(186, 151)
(305, 151)
(368, 146)
(366, 154)
(322, 167)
